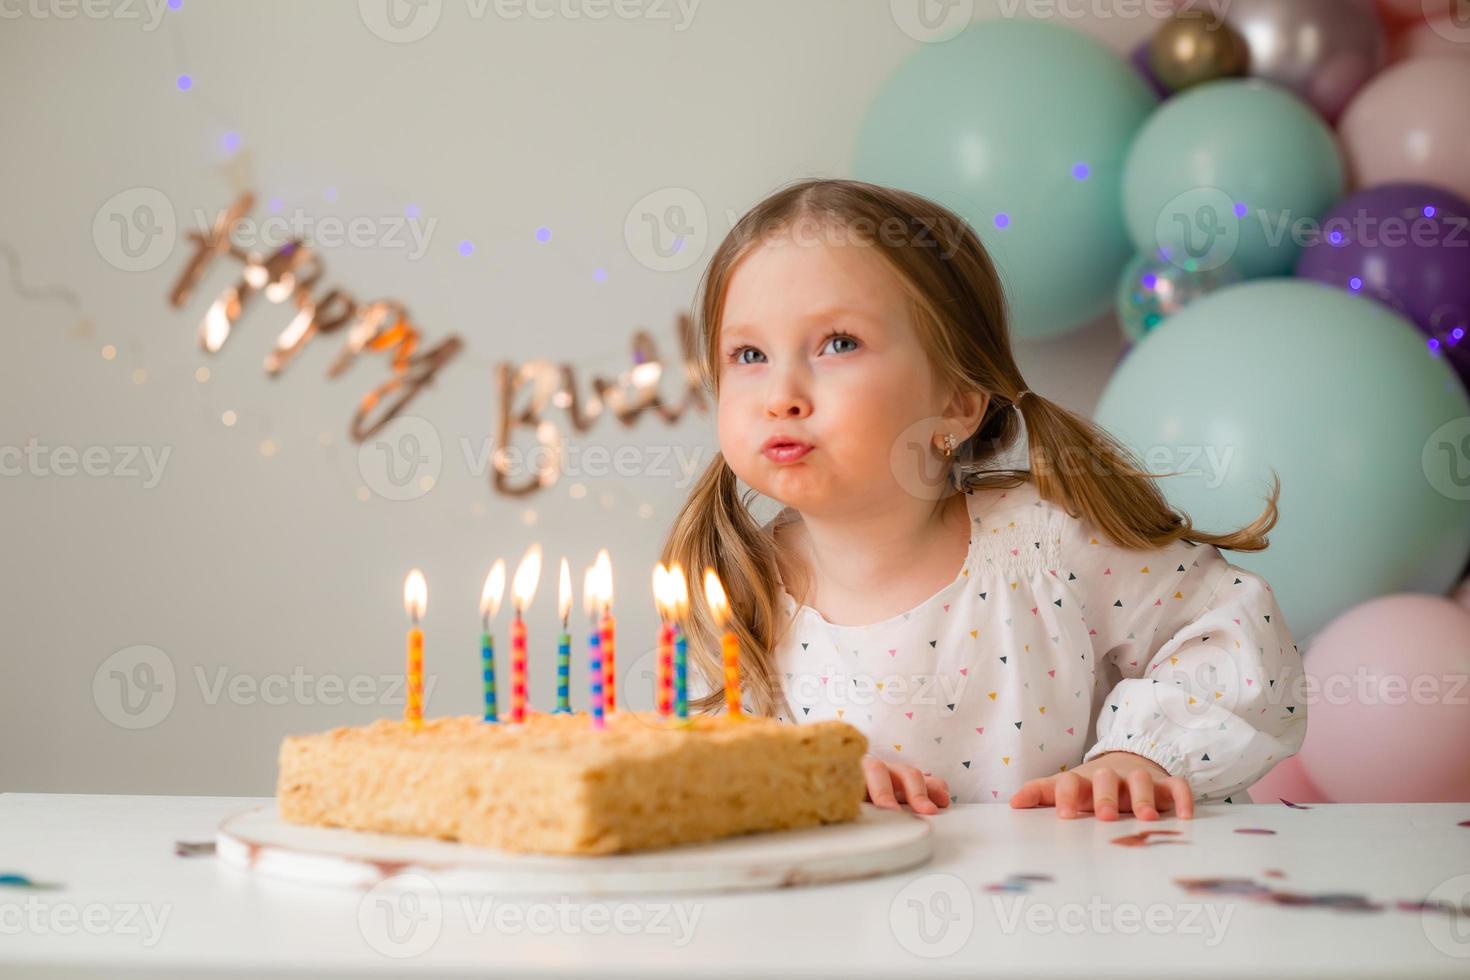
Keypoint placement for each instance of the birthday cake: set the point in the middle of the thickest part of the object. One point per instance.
(554, 784)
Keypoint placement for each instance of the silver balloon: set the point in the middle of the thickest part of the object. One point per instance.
(1323, 50)
(1153, 288)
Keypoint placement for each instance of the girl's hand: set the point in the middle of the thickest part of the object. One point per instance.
(1110, 783)
(892, 784)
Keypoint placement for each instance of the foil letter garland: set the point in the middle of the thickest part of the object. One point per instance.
(293, 273)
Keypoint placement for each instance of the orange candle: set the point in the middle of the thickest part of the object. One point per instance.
(415, 601)
(608, 630)
(714, 594)
(528, 573)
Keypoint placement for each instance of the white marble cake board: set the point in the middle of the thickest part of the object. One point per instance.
(879, 842)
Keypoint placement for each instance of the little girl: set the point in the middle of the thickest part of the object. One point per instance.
(1057, 636)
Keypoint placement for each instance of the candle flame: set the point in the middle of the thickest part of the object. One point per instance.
(604, 567)
(678, 592)
(564, 600)
(714, 594)
(415, 595)
(528, 573)
(494, 590)
(591, 591)
(661, 597)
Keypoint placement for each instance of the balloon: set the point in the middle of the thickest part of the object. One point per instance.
(1323, 50)
(1369, 434)
(1152, 289)
(1140, 61)
(1408, 124)
(1432, 38)
(1220, 171)
(1287, 781)
(1188, 49)
(1408, 246)
(1461, 595)
(1021, 127)
(1398, 13)
(1388, 721)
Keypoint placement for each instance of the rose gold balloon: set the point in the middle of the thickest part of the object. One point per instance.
(1188, 49)
(1409, 125)
(1323, 50)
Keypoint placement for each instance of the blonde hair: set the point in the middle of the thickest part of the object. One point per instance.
(959, 307)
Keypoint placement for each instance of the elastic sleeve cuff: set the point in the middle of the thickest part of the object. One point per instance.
(1163, 754)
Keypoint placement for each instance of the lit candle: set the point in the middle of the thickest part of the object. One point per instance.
(591, 589)
(719, 606)
(528, 573)
(664, 672)
(416, 602)
(490, 598)
(679, 591)
(564, 643)
(609, 632)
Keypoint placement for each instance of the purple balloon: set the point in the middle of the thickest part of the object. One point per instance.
(1407, 246)
(1141, 64)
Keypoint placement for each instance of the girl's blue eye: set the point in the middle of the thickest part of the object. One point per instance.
(740, 353)
(842, 338)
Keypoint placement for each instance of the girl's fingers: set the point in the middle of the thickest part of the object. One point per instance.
(938, 790)
(1105, 794)
(908, 783)
(1178, 791)
(1073, 792)
(1034, 792)
(1141, 794)
(880, 784)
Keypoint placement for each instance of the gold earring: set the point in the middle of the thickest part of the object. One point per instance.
(949, 444)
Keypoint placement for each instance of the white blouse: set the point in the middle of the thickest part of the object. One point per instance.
(1053, 645)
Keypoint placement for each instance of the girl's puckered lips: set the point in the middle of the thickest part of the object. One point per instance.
(785, 449)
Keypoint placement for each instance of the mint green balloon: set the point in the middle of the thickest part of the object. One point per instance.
(1023, 124)
(1341, 397)
(1231, 171)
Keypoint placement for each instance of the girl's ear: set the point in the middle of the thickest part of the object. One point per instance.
(966, 409)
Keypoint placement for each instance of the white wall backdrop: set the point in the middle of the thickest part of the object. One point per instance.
(256, 563)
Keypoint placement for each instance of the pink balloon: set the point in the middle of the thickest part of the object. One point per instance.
(1461, 595)
(1397, 13)
(1388, 717)
(1288, 781)
(1431, 39)
(1408, 124)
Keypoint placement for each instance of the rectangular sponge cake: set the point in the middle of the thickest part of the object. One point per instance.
(556, 785)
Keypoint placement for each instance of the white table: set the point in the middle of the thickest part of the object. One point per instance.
(128, 905)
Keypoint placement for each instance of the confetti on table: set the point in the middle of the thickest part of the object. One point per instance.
(1253, 830)
(1274, 873)
(1142, 839)
(12, 880)
(191, 848)
(1463, 823)
(1294, 806)
(1338, 901)
(1018, 883)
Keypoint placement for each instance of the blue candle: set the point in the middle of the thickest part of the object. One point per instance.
(490, 605)
(681, 673)
(563, 672)
(487, 664)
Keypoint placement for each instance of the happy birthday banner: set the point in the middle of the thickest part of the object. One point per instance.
(293, 274)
